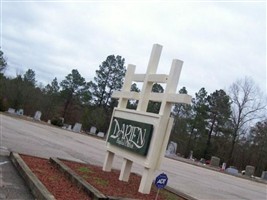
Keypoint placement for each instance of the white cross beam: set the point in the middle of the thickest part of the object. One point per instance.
(167, 98)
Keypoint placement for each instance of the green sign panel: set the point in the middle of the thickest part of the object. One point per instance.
(131, 135)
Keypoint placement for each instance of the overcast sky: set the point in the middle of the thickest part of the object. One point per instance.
(218, 41)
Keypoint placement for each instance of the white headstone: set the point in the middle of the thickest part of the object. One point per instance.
(11, 110)
(20, 112)
(171, 149)
(38, 115)
(232, 171)
(191, 155)
(69, 127)
(93, 130)
(101, 134)
(49, 121)
(224, 166)
(264, 175)
(64, 126)
(77, 127)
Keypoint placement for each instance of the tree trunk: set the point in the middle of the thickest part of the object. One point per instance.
(65, 108)
(209, 138)
(230, 156)
(189, 143)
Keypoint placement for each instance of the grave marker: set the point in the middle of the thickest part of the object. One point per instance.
(264, 175)
(37, 115)
(191, 157)
(93, 130)
(101, 134)
(215, 161)
(171, 150)
(231, 170)
(139, 136)
(20, 112)
(223, 166)
(249, 170)
(77, 127)
(11, 110)
(69, 127)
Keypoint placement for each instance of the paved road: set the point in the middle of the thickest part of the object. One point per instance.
(12, 185)
(36, 139)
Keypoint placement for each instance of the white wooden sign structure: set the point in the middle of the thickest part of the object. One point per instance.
(139, 136)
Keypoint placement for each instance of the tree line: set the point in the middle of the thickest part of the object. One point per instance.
(230, 125)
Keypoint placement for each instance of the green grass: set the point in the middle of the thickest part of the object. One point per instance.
(101, 182)
(85, 170)
(168, 195)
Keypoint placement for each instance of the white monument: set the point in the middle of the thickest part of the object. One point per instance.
(93, 130)
(20, 112)
(38, 115)
(139, 136)
(69, 127)
(171, 149)
(77, 127)
(101, 134)
(11, 110)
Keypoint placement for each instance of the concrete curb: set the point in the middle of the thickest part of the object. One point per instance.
(79, 181)
(38, 190)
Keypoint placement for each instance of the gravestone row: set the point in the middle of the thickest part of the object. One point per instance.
(78, 127)
(37, 115)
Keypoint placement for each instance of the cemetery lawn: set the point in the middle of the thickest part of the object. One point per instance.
(106, 182)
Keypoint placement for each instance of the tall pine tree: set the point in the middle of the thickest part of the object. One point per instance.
(108, 78)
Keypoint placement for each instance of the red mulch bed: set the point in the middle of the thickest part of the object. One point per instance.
(54, 180)
(106, 182)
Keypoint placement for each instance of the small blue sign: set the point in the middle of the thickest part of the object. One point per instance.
(161, 181)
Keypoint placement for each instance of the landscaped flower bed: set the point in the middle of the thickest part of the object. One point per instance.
(106, 182)
(54, 180)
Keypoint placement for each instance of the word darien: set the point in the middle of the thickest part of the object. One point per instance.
(132, 135)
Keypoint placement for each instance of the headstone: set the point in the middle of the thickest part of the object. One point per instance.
(224, 166)
(101, 134)
(77, 127)
(11, 110)
(38, 115)
(93, 130)
(232, 171)
(264, 175)
(215, 161)
(69, 127)
(202, 160)
(191, 155)
(249, 170)
(49, 121)
(171, 149)
(20, 112)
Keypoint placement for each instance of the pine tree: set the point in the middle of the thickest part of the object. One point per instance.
(108, 78)
(73, 87)
(3, 63)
